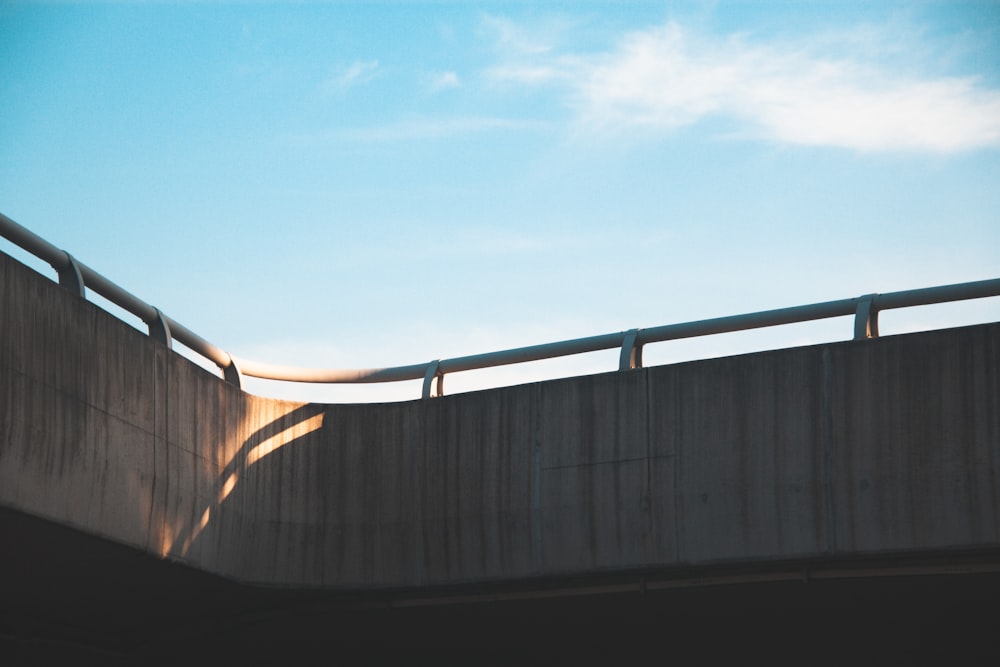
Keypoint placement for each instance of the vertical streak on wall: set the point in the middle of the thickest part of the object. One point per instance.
(680, 539)
(993, 432)
(536, 483)
(152, 532)
(417, 462)
(647, 499)
(161, 441)
(827, 417)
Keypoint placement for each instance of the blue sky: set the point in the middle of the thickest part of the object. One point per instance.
(385, 183)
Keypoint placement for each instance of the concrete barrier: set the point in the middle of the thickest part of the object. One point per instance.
(883, 446)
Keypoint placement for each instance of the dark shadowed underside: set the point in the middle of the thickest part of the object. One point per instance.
(69, 597)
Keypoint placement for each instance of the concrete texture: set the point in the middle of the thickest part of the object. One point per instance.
(888, 446)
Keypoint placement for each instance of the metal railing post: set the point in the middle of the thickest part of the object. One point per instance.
(631, 354)
(160, 330)
(866, 318)
(231, 373)
(71, 277)
(433, 380)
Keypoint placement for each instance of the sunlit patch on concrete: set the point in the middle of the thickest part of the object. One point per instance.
(228, 486)
(280, 440)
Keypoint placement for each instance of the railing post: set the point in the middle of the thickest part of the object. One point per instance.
(433, 381)
(631, 354)
(70, 276)
(160, 330)
(232, 374)
(866, 318)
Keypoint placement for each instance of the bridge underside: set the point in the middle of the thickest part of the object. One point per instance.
(71, 596)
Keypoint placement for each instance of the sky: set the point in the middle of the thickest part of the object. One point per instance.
(371, 184)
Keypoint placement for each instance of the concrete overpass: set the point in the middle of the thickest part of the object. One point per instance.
(152, 511)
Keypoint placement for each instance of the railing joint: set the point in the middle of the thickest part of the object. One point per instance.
(866, 317)
(232, 373)
(631, 353)
(71, 277)
(433, 380)
(159, 329)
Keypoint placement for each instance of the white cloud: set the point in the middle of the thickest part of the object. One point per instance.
(358, 72)
(443, 81)
(667, 77)
(512, 37)
(947, 115)
(533, 75)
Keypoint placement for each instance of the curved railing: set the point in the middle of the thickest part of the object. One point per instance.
(77, 277)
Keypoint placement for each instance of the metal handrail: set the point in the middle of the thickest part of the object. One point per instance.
(76, 277)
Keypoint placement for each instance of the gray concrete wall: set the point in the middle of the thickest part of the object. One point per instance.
(883, 446)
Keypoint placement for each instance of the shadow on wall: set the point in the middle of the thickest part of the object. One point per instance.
(292, 428)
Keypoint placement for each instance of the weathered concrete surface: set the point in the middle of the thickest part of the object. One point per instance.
(872, 447)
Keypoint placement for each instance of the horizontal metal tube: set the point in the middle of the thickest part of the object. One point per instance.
(92, 279)
(945, 293)
(416, 371)
(533, 353)
(746, 321)
(33, 243)
(115, 294)
(732, 323)
(100, 285)
(331, 375)
(183, 335)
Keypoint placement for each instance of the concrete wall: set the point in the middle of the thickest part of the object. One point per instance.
(883, 446)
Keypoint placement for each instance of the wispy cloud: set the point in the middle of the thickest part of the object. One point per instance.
(563, 70)
(512, 37)
(821, 95)
(442, 81)
(358, 72)
(416, 129)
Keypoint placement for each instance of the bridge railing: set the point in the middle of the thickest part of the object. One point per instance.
(78, 277)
